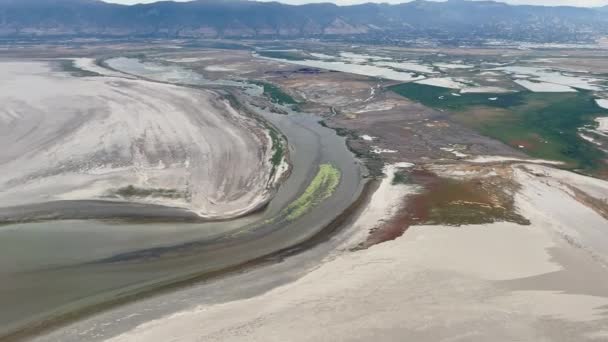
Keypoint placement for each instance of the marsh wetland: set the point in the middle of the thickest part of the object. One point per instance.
(199, 179)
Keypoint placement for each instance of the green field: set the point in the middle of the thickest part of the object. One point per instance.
(544, 125)
(275, 94)
(442, 97)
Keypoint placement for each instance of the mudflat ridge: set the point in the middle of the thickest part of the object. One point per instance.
(106, 138)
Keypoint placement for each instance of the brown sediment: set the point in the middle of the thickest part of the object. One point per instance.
(413, 210)
(602, 171)
(596, 204)
(341, 221)
(451, 202)
(397, 225)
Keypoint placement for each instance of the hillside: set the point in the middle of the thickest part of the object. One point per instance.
(237, 18)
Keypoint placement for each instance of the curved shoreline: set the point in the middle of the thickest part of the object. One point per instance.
(341, 221)
(95, 210)
(138, 209)
(266, 243)
(110, 139)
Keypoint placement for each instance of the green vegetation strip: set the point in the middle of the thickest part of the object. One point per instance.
(544, 125)
(277, 147)
(275, 94)
(322, 187)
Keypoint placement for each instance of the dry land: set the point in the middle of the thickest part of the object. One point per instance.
(489, 220)
(501, 281)
(115, 139)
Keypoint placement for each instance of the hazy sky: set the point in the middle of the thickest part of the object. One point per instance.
(587, 3)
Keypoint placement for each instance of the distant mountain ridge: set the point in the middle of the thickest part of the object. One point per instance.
(251, 19)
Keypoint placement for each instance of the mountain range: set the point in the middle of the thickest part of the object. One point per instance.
(453, 19)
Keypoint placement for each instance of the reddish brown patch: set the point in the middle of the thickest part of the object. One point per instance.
(602, 172)
(598, 205)
(450, 202)
(415, 210)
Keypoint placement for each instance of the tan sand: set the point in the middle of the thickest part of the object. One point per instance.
(497, 282)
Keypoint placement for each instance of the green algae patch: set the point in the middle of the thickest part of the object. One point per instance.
(277, 148)
(322, 187)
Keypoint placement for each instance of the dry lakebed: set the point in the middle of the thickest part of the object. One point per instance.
(303, 191)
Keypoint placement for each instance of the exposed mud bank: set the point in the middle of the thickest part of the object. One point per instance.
(115, 139)
(90, 252)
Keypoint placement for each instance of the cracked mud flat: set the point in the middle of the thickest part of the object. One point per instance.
(113, 139)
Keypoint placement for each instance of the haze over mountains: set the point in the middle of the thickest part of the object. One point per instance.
(454, 19)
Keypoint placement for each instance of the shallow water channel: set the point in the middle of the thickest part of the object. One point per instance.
(49, 269)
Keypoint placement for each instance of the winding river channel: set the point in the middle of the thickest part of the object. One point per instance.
(57, 271)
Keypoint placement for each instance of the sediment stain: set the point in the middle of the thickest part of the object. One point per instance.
(449, 202)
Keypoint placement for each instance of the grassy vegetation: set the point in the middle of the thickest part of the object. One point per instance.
(322, 187)
(277, 147)
(277, 140)
(438, 97)
(276, 95)
(132, 191)
(401, 177)
(544, 125)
